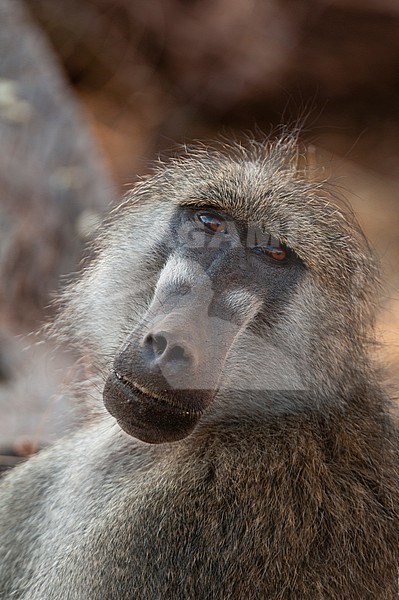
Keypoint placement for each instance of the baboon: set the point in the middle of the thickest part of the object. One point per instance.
(247, 450)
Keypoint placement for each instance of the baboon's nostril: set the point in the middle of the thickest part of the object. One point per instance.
(158, 343)
(177, 353)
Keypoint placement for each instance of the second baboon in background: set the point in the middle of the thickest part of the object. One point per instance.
(250, 453)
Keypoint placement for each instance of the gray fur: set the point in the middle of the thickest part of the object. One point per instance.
(288, 487)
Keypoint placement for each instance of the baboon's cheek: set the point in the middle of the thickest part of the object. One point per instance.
(148, 419)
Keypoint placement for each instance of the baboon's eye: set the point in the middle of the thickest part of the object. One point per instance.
(279, 253)
(275, 249)
(212, 222)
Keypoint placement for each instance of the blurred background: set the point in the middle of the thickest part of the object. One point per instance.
(91, 91)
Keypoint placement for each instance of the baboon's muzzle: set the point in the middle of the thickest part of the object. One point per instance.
(168, 371)
(152, 418)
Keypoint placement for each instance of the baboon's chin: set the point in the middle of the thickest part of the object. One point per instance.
(149, 419)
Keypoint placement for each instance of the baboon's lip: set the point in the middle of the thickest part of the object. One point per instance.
(146, 415)
(144, 393)
(136, 387)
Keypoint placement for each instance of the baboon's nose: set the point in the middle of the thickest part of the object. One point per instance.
(168, 349)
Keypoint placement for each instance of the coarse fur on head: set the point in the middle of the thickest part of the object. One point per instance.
(311, 350)
(229, 313)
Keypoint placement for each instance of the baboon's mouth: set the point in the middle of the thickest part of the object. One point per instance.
(145, 393)
(147, 415)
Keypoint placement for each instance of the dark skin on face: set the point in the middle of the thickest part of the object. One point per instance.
(168, 371)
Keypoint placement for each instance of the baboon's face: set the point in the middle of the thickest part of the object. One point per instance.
(221, 282)
(227, 288)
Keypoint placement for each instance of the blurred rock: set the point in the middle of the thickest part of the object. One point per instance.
(51, 177)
